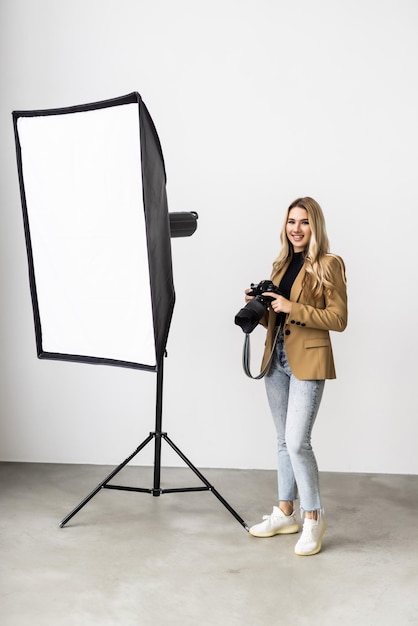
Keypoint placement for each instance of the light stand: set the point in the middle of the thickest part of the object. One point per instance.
(157, 435)
(97, 229)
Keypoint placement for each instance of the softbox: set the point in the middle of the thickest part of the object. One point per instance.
(93, 190)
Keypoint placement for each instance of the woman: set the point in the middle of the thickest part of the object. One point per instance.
(313, 301)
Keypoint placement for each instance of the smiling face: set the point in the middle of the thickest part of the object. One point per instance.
(298, 230)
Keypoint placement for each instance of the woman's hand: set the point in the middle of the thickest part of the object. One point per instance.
(279, 304)
(247, 297)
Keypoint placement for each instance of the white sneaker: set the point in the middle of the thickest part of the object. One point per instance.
(275, 524)
(310, 541)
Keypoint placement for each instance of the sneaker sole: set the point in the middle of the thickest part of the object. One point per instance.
(286, 530)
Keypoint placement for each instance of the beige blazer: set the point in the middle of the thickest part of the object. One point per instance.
(306, 330)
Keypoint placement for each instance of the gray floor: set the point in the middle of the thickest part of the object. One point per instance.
(132, 559)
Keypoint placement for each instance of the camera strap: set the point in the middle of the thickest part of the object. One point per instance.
(246, 356)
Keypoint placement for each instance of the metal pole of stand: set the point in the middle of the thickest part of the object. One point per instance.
(158, 426)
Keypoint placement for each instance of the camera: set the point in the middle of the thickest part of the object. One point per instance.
(249, 317)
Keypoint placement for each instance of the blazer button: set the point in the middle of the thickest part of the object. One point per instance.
(303, 324)
(287, 332)
(292, 321)
(297, 323)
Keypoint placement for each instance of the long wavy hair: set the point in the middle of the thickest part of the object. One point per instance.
(317, 272)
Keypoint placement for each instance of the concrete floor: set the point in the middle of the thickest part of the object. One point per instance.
(132, 559)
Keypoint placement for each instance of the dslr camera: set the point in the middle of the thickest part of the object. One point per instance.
(249, 317)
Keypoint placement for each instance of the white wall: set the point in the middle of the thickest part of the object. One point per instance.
(256, 102)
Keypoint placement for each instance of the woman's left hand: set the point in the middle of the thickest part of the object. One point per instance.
(279, 304)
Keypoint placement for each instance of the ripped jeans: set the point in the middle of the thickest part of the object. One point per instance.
(294, 406)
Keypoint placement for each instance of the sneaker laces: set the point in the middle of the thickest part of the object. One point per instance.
(308, 526)
(271, 516)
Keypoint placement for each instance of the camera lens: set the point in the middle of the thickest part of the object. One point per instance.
(249, 317)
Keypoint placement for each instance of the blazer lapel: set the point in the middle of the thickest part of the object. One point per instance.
(297, 286)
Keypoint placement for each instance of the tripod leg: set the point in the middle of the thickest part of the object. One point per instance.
(105, 481)
(205, 481)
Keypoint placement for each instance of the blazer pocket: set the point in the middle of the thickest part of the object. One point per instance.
(317, 343)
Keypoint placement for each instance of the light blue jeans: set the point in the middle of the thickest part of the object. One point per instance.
(294, 406)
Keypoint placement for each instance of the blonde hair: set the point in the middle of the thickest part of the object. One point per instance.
(317, 271)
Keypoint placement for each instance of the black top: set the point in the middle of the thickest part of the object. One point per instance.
(287, 281)
(292, 271)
